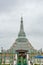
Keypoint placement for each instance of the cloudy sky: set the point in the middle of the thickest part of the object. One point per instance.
(10, 14)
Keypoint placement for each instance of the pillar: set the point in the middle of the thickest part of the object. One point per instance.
(28, 59)
(15, 60)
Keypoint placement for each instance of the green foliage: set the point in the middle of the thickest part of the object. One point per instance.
(36, 64)
(5, 64)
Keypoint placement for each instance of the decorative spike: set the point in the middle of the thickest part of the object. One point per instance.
(21, 33)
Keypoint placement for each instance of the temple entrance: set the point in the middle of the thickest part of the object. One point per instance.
(21, 58)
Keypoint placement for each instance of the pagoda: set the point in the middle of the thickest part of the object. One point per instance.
(21, 43)
(19, 53)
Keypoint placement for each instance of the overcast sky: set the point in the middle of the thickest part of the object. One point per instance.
(10, 14)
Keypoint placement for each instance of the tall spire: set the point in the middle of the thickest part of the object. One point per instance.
(21, 33)
(21, 27)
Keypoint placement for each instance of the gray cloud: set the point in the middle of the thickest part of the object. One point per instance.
(10, 13)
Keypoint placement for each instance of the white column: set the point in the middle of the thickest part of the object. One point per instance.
(28, 61)
(15, 61)
(16, 56)
(27, 57)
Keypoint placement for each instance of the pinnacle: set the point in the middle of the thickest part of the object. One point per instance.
(21, 33)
